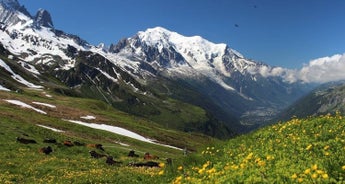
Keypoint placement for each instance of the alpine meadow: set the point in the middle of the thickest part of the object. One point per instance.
(160, 107)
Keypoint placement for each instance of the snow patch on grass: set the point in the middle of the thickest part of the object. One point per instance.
(44, 104)
(24, 105)
(120, 131)
(2, 88)
(50, 128)
(88, 117)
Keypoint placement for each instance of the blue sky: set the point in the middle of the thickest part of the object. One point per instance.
(286, 33)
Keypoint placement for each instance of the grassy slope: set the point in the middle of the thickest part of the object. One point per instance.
(299, 151)
(326, 99)
(21, 163)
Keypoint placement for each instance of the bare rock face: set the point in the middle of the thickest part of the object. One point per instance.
(43, 19)
(8, 9)
(10, 4)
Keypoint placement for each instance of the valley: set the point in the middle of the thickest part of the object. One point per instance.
(158, 107)
(299, 150)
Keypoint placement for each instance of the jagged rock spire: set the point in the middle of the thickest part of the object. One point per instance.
(44, 19)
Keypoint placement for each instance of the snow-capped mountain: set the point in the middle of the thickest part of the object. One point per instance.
(236, 84)
(190, 56)
(34, 39)
(139, 73)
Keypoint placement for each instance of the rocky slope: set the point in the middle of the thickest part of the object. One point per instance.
(328, 98)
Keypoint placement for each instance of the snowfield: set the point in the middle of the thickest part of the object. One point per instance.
(120, 131)
(19, 78)
(29, 67)
(113, 129)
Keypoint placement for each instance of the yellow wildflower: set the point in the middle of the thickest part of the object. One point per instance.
(326, 147)
(343, 167)
(206, 164)
(300, 180)
(250, 155)
(234, 167)
(319, 171)
(261, 163)
(314, 175)
(325, 176)
(210, 171)
(257, 160)
(314, 167)
(201, 171)
(242, 165)
(269, 157)
(161, 172)
(177, 180)
(294, 176)
(309, 147)
(161, 164)
(307, 171)
(180, 168)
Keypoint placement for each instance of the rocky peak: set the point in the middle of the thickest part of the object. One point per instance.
(44, 19)
(115, 48)
(10, 4)
(9, 13)
(103, 47)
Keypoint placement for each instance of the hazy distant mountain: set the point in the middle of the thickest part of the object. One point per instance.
(328, 98)
(186, 83)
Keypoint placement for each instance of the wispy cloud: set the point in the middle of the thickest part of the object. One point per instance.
(267, 71)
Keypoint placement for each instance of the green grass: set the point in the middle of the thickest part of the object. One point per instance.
(308, 150)
(74, 108)
(20, 163)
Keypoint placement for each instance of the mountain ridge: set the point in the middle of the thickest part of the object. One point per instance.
(227, 68)
(140, 72)
(325, 99)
